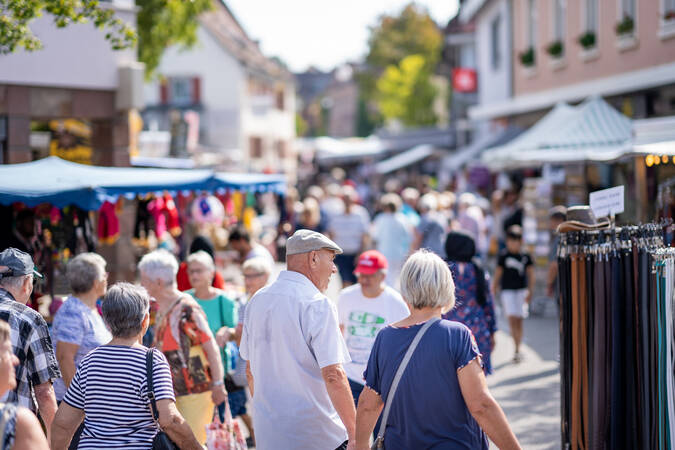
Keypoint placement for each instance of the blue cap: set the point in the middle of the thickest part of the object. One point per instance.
(15, 263)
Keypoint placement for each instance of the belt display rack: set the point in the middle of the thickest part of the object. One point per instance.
(617, 338)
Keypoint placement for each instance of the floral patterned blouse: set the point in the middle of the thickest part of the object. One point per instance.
(180, 335)
(481, 320)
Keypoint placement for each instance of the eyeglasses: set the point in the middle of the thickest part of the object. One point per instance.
(195, 271)
(254, 275)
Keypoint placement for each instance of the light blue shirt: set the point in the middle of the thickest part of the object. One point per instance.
(76, 323)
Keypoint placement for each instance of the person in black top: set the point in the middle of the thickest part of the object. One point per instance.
(514, 278)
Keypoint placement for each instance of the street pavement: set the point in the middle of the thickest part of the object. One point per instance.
(529, 392)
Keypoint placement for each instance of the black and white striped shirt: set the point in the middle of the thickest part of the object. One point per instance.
(111, 387)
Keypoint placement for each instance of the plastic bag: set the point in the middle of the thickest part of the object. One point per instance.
(225, 435)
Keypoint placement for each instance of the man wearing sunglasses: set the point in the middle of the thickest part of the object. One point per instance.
(31, 342)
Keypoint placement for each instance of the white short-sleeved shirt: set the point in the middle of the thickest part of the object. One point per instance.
(290, 332)
(347, 230)
(362, 318)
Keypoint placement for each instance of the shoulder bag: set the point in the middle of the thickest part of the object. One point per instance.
(162, 441)
(379, 442)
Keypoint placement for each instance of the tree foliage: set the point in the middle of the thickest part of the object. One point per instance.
(163, 23)
(15, 15)
(405, 92)
(392, 39)
(160, 24)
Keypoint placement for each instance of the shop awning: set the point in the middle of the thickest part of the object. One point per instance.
(404, 159)
(330, 150)
(592, 131)
(53, 180)
(471, 152)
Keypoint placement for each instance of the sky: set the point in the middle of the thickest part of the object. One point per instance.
(321, 33)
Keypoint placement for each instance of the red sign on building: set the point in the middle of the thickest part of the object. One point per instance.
(464, 80)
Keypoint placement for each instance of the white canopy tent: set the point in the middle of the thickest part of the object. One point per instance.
(592, 131)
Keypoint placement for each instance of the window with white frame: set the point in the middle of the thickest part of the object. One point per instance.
(531, 24)
(495, 53)
(591, 16)
(559, 20)
(627, 8)
(668, 10)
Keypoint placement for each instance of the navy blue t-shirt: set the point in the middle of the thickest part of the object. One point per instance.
(428, 409)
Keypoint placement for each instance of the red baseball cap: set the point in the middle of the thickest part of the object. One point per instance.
(370, 262)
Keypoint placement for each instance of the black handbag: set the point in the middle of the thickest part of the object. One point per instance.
(162, 441)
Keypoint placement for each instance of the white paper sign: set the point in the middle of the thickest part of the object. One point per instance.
(607, 201)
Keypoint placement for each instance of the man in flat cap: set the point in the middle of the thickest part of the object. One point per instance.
(31, 342)
(295, 352)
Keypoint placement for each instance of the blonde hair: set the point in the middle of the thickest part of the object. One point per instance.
(426, 281)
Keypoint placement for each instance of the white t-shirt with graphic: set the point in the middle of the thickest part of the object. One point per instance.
(362, 318)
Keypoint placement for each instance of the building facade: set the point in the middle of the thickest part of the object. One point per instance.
(73, 97)
(223, 101)
(623, 50)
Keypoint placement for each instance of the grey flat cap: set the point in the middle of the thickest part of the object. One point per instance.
(304, 241)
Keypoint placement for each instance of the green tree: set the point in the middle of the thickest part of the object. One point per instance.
(160, 24)
(392, 38)
(405, 92)
(15, 15)
(301, 126)
(163, 23)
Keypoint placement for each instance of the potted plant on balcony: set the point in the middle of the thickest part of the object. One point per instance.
(587, 40)
(527, 58)
(555, 49)
(669, 15)
(625, 26)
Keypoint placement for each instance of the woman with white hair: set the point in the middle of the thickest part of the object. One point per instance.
(442, 399)
(183, 334)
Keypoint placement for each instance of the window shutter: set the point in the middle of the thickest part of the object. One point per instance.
(164, 91)
(196, 93)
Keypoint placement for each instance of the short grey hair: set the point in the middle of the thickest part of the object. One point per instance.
(84, 270)
(14, 282)
(428, 202)
(259, 264)
(124, 307)
(203, 258)
(426, 281)
(159, 265)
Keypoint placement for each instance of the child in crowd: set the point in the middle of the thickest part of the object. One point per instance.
(514, 277)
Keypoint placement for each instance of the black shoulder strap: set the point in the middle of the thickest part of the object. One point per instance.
(151, 392)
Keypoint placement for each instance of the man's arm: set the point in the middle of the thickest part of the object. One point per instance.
(46, 401)
(552, 275)
(530, 283)
(340, 395)
(249, 377)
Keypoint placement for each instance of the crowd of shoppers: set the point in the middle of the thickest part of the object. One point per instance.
(303, 362)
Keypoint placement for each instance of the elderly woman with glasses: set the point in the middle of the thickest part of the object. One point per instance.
(442, 400)
(183, 334)
(110, 388)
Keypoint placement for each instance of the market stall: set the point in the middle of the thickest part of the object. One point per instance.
(118, 212)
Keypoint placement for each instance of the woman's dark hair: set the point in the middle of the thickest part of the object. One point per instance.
(460, 247)
(202, 243)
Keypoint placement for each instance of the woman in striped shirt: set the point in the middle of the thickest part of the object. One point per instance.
(109, 389)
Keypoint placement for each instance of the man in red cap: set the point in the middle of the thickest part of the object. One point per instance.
(364, 309)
